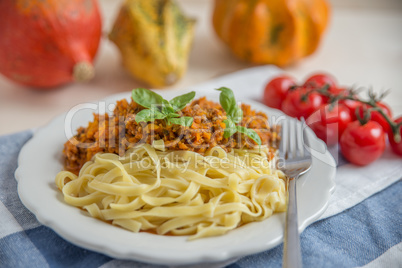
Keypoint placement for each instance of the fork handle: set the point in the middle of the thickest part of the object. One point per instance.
(291, 251)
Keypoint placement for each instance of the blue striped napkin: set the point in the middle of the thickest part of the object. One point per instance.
(361, 227)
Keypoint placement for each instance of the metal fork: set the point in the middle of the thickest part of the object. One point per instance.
(295, 160)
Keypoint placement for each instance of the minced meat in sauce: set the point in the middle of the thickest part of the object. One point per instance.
(118, 132)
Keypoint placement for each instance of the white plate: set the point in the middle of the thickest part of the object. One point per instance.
(40, 160)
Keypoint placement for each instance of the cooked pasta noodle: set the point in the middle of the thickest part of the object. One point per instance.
(177, 192)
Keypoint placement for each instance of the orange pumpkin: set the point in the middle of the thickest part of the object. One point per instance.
(277, 32)
(47, 43)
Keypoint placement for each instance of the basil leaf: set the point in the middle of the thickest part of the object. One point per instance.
(146, 97)
(227, 100)
(250, 133)
(147, 115)
(179, 102)
(171, 115)
(230, 128)
(167, 108)
(242, 129)
(143, 116)
(184, 121)
(254, 136)
(237, 115)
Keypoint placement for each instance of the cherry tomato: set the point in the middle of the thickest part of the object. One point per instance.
(319, 80)
(338, 91)
(294, 106)
(351, 105)
(396, 147)
(362, 144)
(276, 90)
(328, 124)
(376, 116)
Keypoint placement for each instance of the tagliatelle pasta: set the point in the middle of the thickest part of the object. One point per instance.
(177, 192)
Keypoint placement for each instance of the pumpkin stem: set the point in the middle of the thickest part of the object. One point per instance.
(83, 71)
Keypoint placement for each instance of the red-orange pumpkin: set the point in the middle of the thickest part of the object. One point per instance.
(46, 43)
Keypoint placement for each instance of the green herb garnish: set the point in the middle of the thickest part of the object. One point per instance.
(159, 108)
(234, 116)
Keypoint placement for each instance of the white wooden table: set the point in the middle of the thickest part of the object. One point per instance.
(363, 46)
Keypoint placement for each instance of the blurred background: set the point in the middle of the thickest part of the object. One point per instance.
(362, 46)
